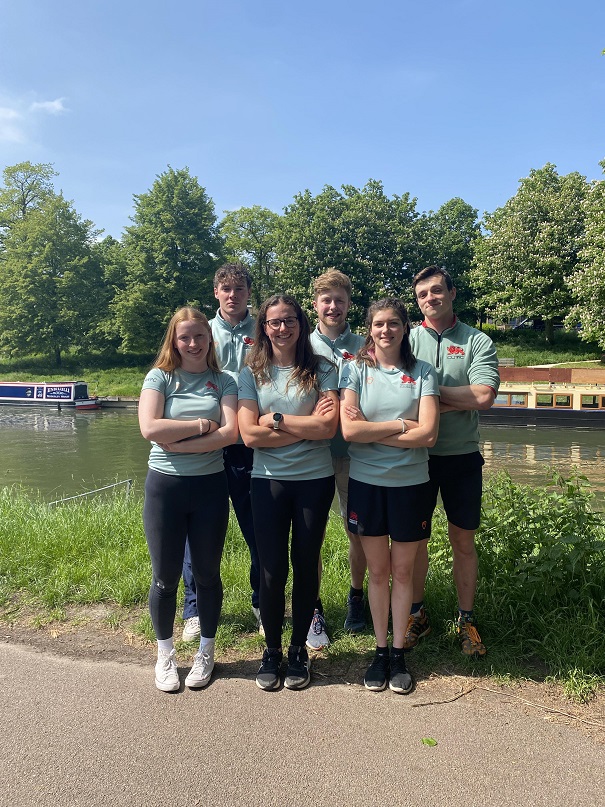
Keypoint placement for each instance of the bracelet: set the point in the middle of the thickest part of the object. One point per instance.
(202, 432)
(402, 425)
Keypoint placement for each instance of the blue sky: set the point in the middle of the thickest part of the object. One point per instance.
(264, 99)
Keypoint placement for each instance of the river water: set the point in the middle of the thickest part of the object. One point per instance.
(65, 453)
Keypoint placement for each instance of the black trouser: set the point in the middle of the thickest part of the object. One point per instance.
(177, 508)
(278, 506)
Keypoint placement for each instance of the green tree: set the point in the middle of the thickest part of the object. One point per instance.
(361, 232)
(26, 187)
(531, 247)
(49, 280)
(173, 248)
(587, 283)
(251, 235)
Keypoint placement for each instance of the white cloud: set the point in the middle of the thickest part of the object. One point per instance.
(55, 107)
(10, 126)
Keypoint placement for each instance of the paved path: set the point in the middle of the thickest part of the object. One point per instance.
(98, 733)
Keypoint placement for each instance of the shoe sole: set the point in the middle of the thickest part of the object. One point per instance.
(190, 637)
(298, 684)
(167, 687)
(375, 687)
(267, 687)
(198, 684)
(475, 654)
(357, 627)
(319, 646)
(400, 690)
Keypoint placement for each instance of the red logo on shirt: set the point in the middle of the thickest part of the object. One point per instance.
(352, 517)
(211, 385)
(347, 356)
(248, 340)
(407, 379)
(454, 350)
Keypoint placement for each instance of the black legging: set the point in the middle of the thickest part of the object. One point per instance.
(277, 506)
(176, 508)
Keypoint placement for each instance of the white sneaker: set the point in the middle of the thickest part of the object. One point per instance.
(201, 671)
(317, 638)
(166, 674)
(259, 621)
(191, 629)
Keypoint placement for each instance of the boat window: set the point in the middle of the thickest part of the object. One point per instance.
(502, 399)
(589, 402)
(543, 400)
(563, 400)
(603, 402)
(518, 399)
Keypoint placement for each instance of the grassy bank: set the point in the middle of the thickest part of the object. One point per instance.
(121, 374)
(540, 597)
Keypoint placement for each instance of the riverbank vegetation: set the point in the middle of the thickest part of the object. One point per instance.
(540, 599)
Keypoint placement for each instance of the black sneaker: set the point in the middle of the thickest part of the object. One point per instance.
(377, 674)
(267, 676)
(400, 680)
(356, 617)
(298, 674)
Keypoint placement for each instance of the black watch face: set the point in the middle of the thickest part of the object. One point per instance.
(277, 417)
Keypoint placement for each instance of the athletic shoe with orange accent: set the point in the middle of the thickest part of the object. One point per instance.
(418, 626)
(470, 640)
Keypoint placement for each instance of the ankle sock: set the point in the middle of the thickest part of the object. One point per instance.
(355, 592)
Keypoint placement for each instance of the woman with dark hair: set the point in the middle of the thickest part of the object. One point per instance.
(288, 411)
(390, 414)
(188, 410)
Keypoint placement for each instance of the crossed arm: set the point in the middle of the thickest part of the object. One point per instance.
(168, 433)
(418, 434)
(257, 430)
(471, 396)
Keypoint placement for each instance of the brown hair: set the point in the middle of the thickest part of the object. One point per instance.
(367, 353)
(424, 274)
(168, 357)
(232, 271)
(306, 362)
(332, 279)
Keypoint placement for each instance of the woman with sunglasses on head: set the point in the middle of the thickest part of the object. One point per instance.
(188, 410)
(390, 414)
(287, 412)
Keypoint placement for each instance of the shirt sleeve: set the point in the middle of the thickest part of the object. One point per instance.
(328, 377)
(156, 379)
(349, 377)
(229, 387)
(246, 388)
(430, 383)
(484, 364)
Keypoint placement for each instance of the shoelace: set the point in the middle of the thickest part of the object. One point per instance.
(471, 632)
(319, 624)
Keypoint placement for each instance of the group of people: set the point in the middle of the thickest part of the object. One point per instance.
(276, 417)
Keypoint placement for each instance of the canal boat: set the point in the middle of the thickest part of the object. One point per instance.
(69, 394)
(558, 398)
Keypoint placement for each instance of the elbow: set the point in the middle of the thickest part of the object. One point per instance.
(147, 432)
(431, 439)
(486, 400)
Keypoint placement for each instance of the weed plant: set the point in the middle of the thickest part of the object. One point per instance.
(540, 598)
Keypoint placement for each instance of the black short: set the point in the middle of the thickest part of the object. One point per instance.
(459, 479)
(404, 512)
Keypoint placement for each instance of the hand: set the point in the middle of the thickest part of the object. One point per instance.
(266, 420)
(354, 413)
(323, 406)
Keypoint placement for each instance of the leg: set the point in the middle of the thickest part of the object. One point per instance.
(311, 506)
(238, 465)
(378, 556)
(272, 510)
(464, 565)
(190, 603)
(207, 527)
(402, 566)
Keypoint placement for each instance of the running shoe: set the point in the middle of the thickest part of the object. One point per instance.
(470, 640)
(191, 629)
(400, 680)
(355, 621)
(267, 676)
(418, 626)
(201, 672)
(377, 674)
(298, 673)
(317, 638)
(166, 674)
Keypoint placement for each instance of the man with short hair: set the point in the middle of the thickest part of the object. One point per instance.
(467, 368)
(233, 334)
(333, 339)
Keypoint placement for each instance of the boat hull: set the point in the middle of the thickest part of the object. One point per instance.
(543, 418)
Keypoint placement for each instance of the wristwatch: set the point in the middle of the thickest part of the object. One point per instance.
(277, 419)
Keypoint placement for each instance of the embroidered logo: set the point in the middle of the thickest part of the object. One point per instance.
(248, 340)
(455, 352)
(211, 385)
(407, 379)
(353, 518)
(347, 356)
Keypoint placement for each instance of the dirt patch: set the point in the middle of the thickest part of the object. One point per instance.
(107, 633)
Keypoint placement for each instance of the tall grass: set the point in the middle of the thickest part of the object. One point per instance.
(540, 598)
